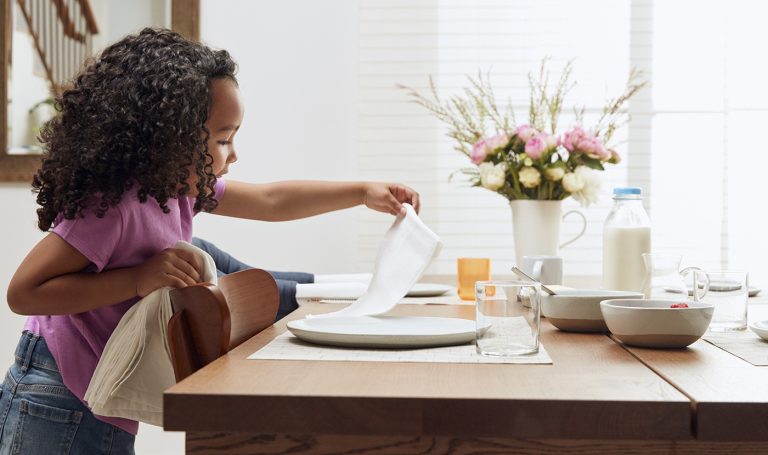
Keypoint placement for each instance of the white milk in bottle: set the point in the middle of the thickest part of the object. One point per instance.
(626, 236)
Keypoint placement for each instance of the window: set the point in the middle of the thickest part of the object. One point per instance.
(693, 143)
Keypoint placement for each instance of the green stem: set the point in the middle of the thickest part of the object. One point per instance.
(516, 183)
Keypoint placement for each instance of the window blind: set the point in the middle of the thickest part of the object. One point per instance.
(403, 42)
(692, 144)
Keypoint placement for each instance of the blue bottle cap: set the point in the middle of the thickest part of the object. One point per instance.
(628, 190)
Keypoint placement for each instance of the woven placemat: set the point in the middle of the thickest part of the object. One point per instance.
(743, 344)
(288, 347)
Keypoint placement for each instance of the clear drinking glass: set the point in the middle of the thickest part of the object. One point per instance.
(665, 280)
(507, 319)
(728, 292)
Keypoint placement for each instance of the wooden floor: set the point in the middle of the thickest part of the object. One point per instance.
(244, 443)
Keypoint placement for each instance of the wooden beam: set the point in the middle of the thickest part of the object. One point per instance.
(18, 168)
(90, 18)
(185, 18)
(13, 168)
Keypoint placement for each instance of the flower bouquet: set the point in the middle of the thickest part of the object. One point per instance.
(535, 160)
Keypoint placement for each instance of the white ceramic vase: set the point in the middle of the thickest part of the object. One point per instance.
(536, 228)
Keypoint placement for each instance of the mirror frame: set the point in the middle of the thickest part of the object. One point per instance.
(185, 19)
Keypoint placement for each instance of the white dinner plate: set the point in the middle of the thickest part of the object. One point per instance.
(384, 331)
(752, 292)
(760, 328)
(428, 290)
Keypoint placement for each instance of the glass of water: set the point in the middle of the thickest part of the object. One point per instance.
(507, 317)
(728, 293)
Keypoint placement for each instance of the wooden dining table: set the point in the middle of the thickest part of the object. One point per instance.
(597, 396)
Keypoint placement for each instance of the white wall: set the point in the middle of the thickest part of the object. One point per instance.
(119, 18)
(19, 235)
(298, 70)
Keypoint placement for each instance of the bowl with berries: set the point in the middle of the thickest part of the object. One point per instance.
(657, 323)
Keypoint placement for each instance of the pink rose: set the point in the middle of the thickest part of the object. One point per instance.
(525, 132)
(593, 148)
(478, 152)
(536, 146)
(485, 147)
(572, 138)
(496, 142)
(579, 141)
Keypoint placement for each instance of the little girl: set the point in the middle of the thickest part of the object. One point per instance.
(142, 140)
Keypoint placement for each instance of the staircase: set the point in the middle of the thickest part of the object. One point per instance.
(62, 32)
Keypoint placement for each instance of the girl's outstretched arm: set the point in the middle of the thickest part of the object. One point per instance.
(291, 200)
(51, 280)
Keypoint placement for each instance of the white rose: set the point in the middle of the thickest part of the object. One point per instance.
(530, 177)
(554, 173)
(591, 186)
(552, 142)
(572, 182)
(492, 176)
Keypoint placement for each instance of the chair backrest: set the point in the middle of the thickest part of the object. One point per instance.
(209, 320)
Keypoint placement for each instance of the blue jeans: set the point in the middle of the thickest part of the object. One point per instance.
(39, 415)
(286, 281)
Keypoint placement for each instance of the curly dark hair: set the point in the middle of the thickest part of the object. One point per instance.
(133, 116)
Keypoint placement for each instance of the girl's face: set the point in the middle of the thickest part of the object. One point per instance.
(224, 118)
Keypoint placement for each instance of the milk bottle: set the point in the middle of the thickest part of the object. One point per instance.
(626, 236)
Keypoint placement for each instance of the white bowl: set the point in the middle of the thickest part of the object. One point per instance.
(578, 310)
(760, 328)
(654, 324)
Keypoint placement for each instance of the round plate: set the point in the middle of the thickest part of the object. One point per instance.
(752, 292)
(428, 290)
(384, 331)
(760, 328)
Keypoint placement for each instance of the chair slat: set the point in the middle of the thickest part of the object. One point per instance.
(210, 320)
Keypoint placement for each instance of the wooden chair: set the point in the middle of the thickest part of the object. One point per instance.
(208, 320)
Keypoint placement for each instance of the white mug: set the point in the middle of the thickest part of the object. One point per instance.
(544, 269)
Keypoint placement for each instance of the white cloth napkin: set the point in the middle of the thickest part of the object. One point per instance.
(408, 248)
(343, 278)
(330, 290)
(135, 367)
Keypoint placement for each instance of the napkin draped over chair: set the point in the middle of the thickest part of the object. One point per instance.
(135, 366)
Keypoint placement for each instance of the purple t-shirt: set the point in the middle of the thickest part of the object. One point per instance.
(127, 235)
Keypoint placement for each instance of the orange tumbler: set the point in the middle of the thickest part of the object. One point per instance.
(471, 270)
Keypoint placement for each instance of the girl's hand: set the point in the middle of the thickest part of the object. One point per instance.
(389, 197)
(171, 267)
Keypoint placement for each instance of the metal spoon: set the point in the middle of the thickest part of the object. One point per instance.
(522, 274)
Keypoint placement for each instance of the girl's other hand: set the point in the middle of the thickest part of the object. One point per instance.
(389, 197)
(171, 267)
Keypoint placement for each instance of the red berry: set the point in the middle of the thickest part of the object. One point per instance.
(679, 305)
